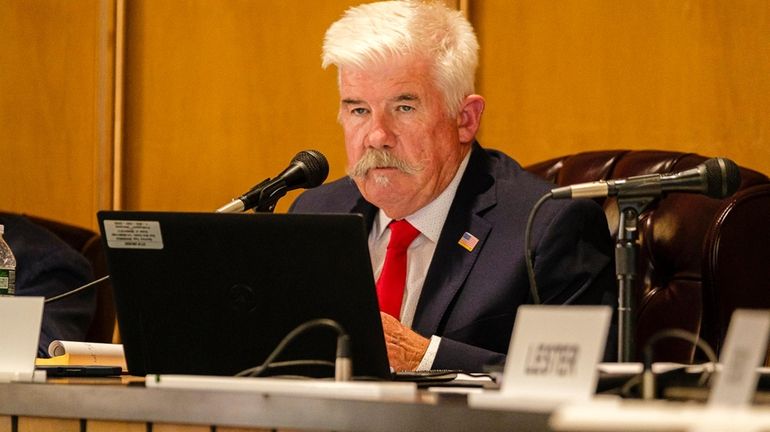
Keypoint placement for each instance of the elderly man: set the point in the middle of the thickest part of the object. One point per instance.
(446, 216)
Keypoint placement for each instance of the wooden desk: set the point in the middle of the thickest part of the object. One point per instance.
(94, 406)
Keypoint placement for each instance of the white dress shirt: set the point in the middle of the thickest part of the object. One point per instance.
(429, 220)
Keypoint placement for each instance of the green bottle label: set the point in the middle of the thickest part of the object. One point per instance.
(7, 282)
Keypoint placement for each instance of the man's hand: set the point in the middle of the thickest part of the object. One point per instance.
(405, 347)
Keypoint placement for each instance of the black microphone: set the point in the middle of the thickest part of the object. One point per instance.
(307, 169)
(716, 178)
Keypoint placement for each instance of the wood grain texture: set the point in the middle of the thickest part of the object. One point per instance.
(577, 75)
(55, 112)
(168, 427)
(40, 424)
(115, 426)
(218, 95)
(221, 95)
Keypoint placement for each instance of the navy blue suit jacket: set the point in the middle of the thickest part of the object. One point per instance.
(47, 266)
(470, 298)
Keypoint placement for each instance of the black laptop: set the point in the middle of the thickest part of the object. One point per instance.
(213, 294)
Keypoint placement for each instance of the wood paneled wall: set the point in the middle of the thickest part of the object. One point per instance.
(218, 95)
(572, 75)
(56, 83)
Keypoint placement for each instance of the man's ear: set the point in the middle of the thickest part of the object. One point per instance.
(469, 118)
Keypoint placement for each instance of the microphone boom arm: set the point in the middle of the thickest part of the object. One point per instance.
(269, 197)
(243, 202)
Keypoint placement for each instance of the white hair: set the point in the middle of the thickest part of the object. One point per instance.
(376, 32)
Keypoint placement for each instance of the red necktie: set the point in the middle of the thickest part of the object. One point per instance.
(390, 285)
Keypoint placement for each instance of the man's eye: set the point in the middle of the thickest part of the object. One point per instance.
(405, 108)
(359, 111)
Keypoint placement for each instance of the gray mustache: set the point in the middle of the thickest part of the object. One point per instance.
(376, 158)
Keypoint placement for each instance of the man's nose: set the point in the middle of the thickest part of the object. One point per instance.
(380, 133)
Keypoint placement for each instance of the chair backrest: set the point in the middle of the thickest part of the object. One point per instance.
(89, 244)
(699, 258)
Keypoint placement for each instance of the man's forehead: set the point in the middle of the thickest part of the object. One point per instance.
(393, 89)
(402, 97)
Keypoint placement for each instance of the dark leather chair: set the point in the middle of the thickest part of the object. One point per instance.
(699, 258)
(89, 244)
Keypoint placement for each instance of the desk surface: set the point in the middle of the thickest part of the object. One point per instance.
(111, 400)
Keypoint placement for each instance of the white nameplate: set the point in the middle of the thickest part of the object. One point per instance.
(130, 234)
(745, 347)
(552, 358)
(20, 319)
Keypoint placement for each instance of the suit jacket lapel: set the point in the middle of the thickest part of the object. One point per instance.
(366, 209)
(451, 262)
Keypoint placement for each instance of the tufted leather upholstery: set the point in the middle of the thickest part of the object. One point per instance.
(699, 258)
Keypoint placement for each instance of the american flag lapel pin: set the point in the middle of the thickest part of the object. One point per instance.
(468, 241)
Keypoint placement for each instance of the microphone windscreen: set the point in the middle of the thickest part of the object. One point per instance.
(723, 177)
(317, 168)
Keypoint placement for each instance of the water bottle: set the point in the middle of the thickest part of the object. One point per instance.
(7, 267)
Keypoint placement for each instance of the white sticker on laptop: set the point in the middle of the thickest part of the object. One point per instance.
(132, 234)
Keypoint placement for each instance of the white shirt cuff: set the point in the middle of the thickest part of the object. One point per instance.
(430, 354)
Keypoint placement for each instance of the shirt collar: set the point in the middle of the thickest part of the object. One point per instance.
(430, 219)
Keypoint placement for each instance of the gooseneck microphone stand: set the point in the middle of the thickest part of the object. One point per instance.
(626, 251)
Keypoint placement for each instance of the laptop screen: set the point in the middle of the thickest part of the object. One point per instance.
(214, 294)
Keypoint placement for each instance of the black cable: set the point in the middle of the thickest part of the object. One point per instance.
(528, 248)
(285, 364)
(648, 381)
(343, 364)
(77, 290)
